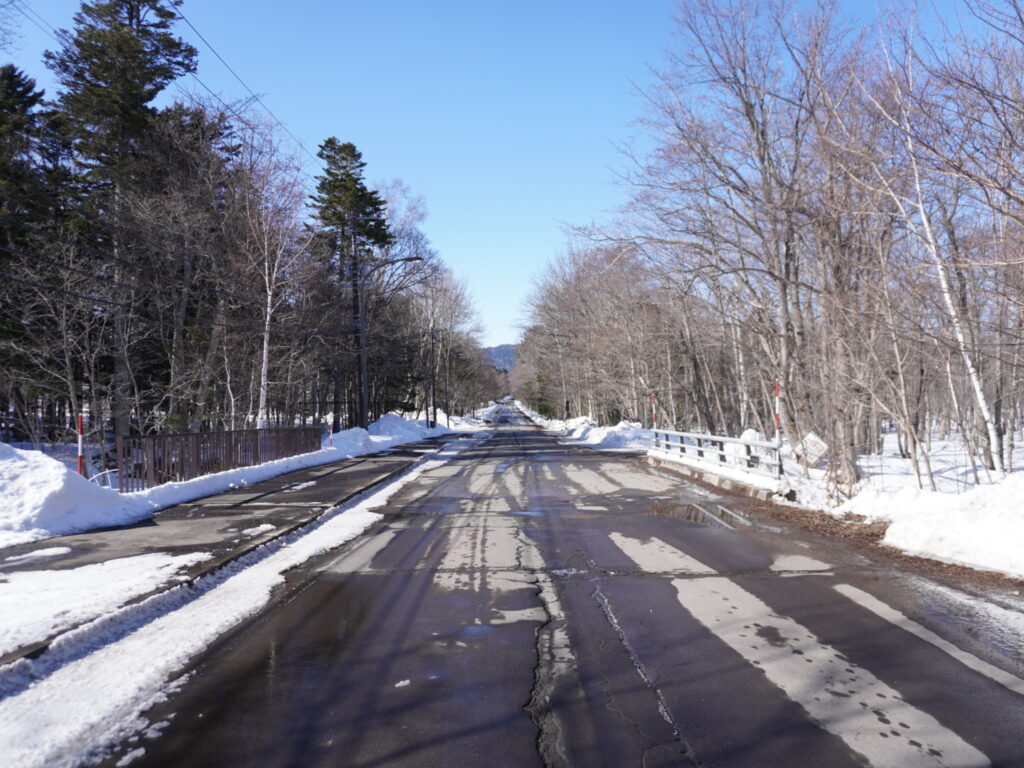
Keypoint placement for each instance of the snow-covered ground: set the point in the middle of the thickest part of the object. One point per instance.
(626, 435)
(41, 496)
(977, 525)
(49, 706)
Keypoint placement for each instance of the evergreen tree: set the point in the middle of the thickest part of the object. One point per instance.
(118, 59)
(349, 213)
(352, 217)
(19, 133)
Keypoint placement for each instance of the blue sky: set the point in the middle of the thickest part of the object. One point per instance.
(505, 117)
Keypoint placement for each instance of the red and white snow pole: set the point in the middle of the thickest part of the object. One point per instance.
(81, 447)
(778, 420)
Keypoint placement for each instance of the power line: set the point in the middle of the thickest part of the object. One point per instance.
(52, 32)
(25, 12)
(244, 85)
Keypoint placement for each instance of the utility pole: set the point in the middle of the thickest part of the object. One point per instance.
(358, 320)
(448, 383)
(432, 419)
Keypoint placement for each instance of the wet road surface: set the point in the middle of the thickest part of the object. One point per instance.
(531, 603)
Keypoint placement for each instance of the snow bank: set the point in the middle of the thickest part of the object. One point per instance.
(626, 435)
(982, 528)
(90, 692)
(554, 425)
(40, 497)
(37, 604)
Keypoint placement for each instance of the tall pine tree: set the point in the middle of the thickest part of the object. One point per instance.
(119, 57)
(348, 211)
(19, 133)
(352, 219)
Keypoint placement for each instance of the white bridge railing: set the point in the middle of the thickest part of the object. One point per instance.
(756, 455)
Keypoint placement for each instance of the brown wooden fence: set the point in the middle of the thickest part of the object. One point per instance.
(144, 462)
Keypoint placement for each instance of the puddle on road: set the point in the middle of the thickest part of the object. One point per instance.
(390, 516)
(527, 512)
(476, 631)
(683, 511)
(998, 627)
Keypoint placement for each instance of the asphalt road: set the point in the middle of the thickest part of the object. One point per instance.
(531, 603)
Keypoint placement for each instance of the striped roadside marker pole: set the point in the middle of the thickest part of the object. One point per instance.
(81, 447)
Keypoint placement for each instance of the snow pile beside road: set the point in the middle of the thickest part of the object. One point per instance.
(392, 430)
(982, 528)
(553, 425)
(37, 604)
(67, 706)
(626, 435)
(40, 497)
(448, 423)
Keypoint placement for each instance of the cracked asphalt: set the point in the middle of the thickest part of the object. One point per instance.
(535, 603)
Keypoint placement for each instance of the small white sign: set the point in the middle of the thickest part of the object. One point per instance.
(811, 449)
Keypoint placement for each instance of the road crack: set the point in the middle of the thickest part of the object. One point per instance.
(606, 608)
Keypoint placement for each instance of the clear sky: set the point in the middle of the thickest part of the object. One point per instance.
(505, 117)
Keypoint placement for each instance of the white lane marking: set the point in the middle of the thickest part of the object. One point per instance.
(842, 698)
(513, 481)
(893, 616)
(359, 558)
(402, 683)
(482, 549)
(798, 563)
(655, 556)
(590, 480)
(499, 504)
(634, 479)
(523, 614)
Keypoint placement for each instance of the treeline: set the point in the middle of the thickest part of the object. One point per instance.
(842, 212)
(170, 269)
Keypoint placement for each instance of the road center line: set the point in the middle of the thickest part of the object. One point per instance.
(655, 556)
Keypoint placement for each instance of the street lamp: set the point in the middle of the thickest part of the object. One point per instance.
(359, 318)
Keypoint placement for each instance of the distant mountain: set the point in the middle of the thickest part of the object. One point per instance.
(503, 356)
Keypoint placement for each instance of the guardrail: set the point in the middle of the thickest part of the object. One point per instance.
(758, 455)
(150, 460)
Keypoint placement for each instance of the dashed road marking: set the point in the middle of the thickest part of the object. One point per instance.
(844, 699)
